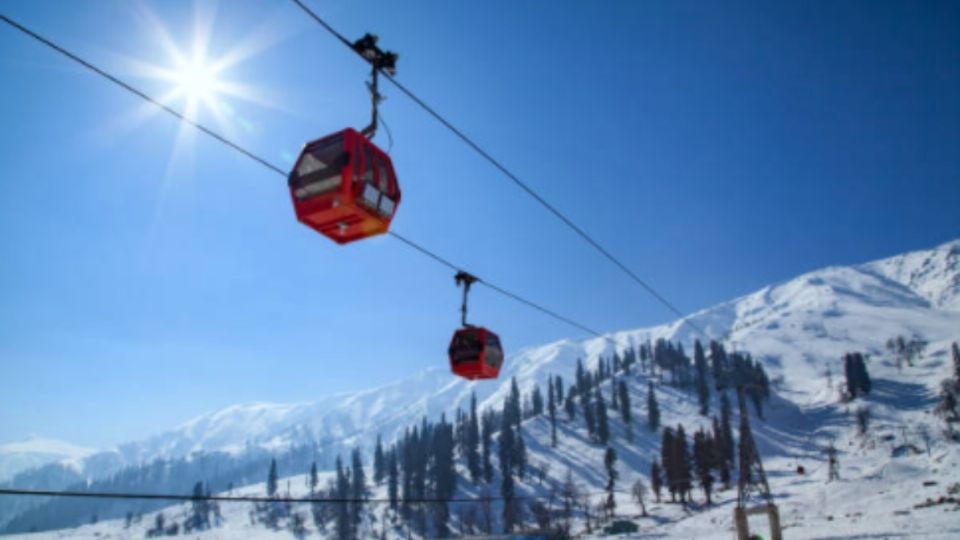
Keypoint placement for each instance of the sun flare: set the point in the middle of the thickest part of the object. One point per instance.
(197, 81)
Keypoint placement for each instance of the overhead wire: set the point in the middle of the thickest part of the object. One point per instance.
(260, 499)
(233, 145)
(509, 174)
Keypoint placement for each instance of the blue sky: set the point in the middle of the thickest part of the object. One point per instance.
(150, 274)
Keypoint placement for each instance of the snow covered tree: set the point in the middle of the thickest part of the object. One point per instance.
(653, 409)
(656, 478)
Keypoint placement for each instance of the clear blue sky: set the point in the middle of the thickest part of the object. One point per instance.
(714, 147)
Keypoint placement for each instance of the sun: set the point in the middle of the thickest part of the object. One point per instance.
(197, 80)
(194, 73)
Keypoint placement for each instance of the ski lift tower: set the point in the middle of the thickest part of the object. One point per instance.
(753, 480)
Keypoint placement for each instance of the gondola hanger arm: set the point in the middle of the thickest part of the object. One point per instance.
(379, 60)
(466, 279)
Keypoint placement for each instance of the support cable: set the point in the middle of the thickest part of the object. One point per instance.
(234, 146)
(514, 178)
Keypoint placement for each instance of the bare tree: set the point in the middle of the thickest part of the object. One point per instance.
(863, 419)
(639, 491)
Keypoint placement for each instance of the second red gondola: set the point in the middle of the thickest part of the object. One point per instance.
(475, 353)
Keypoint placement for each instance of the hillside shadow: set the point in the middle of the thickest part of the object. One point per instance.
(901, 395)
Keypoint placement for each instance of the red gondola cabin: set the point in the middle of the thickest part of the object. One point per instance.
(475, 353)
(344, 187)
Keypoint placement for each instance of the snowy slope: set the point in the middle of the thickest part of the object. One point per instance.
(881, 492)
(19, 456)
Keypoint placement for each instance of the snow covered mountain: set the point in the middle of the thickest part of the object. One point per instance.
(804, 323)
(800, 325)
(19, 456)
(799, 328)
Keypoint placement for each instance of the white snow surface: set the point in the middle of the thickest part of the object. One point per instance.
(799, 329)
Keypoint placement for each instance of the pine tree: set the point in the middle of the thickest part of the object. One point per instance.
(667, 457)
(314, 480)
(625, 412)
(681, 460)
(443, 474)
(580, 378)
(656, 478)
(506, 445)
(603, 424)
(536, 399)
(486, 436)
(200, 510)
(956, 360)
(520, 455)
(558, 387)
(552, 411)
(614, 397)
(272, 479)
(703, 386)
(718, 451)
(393, 478)
(358, 487)
(727, 428)
(703, 461)
(472, 437)
(653, 409)
(512, 408)
(379, 466)
(610, 462)
(570, 407)
(588, 415)
(344, 530)
(718, 364)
